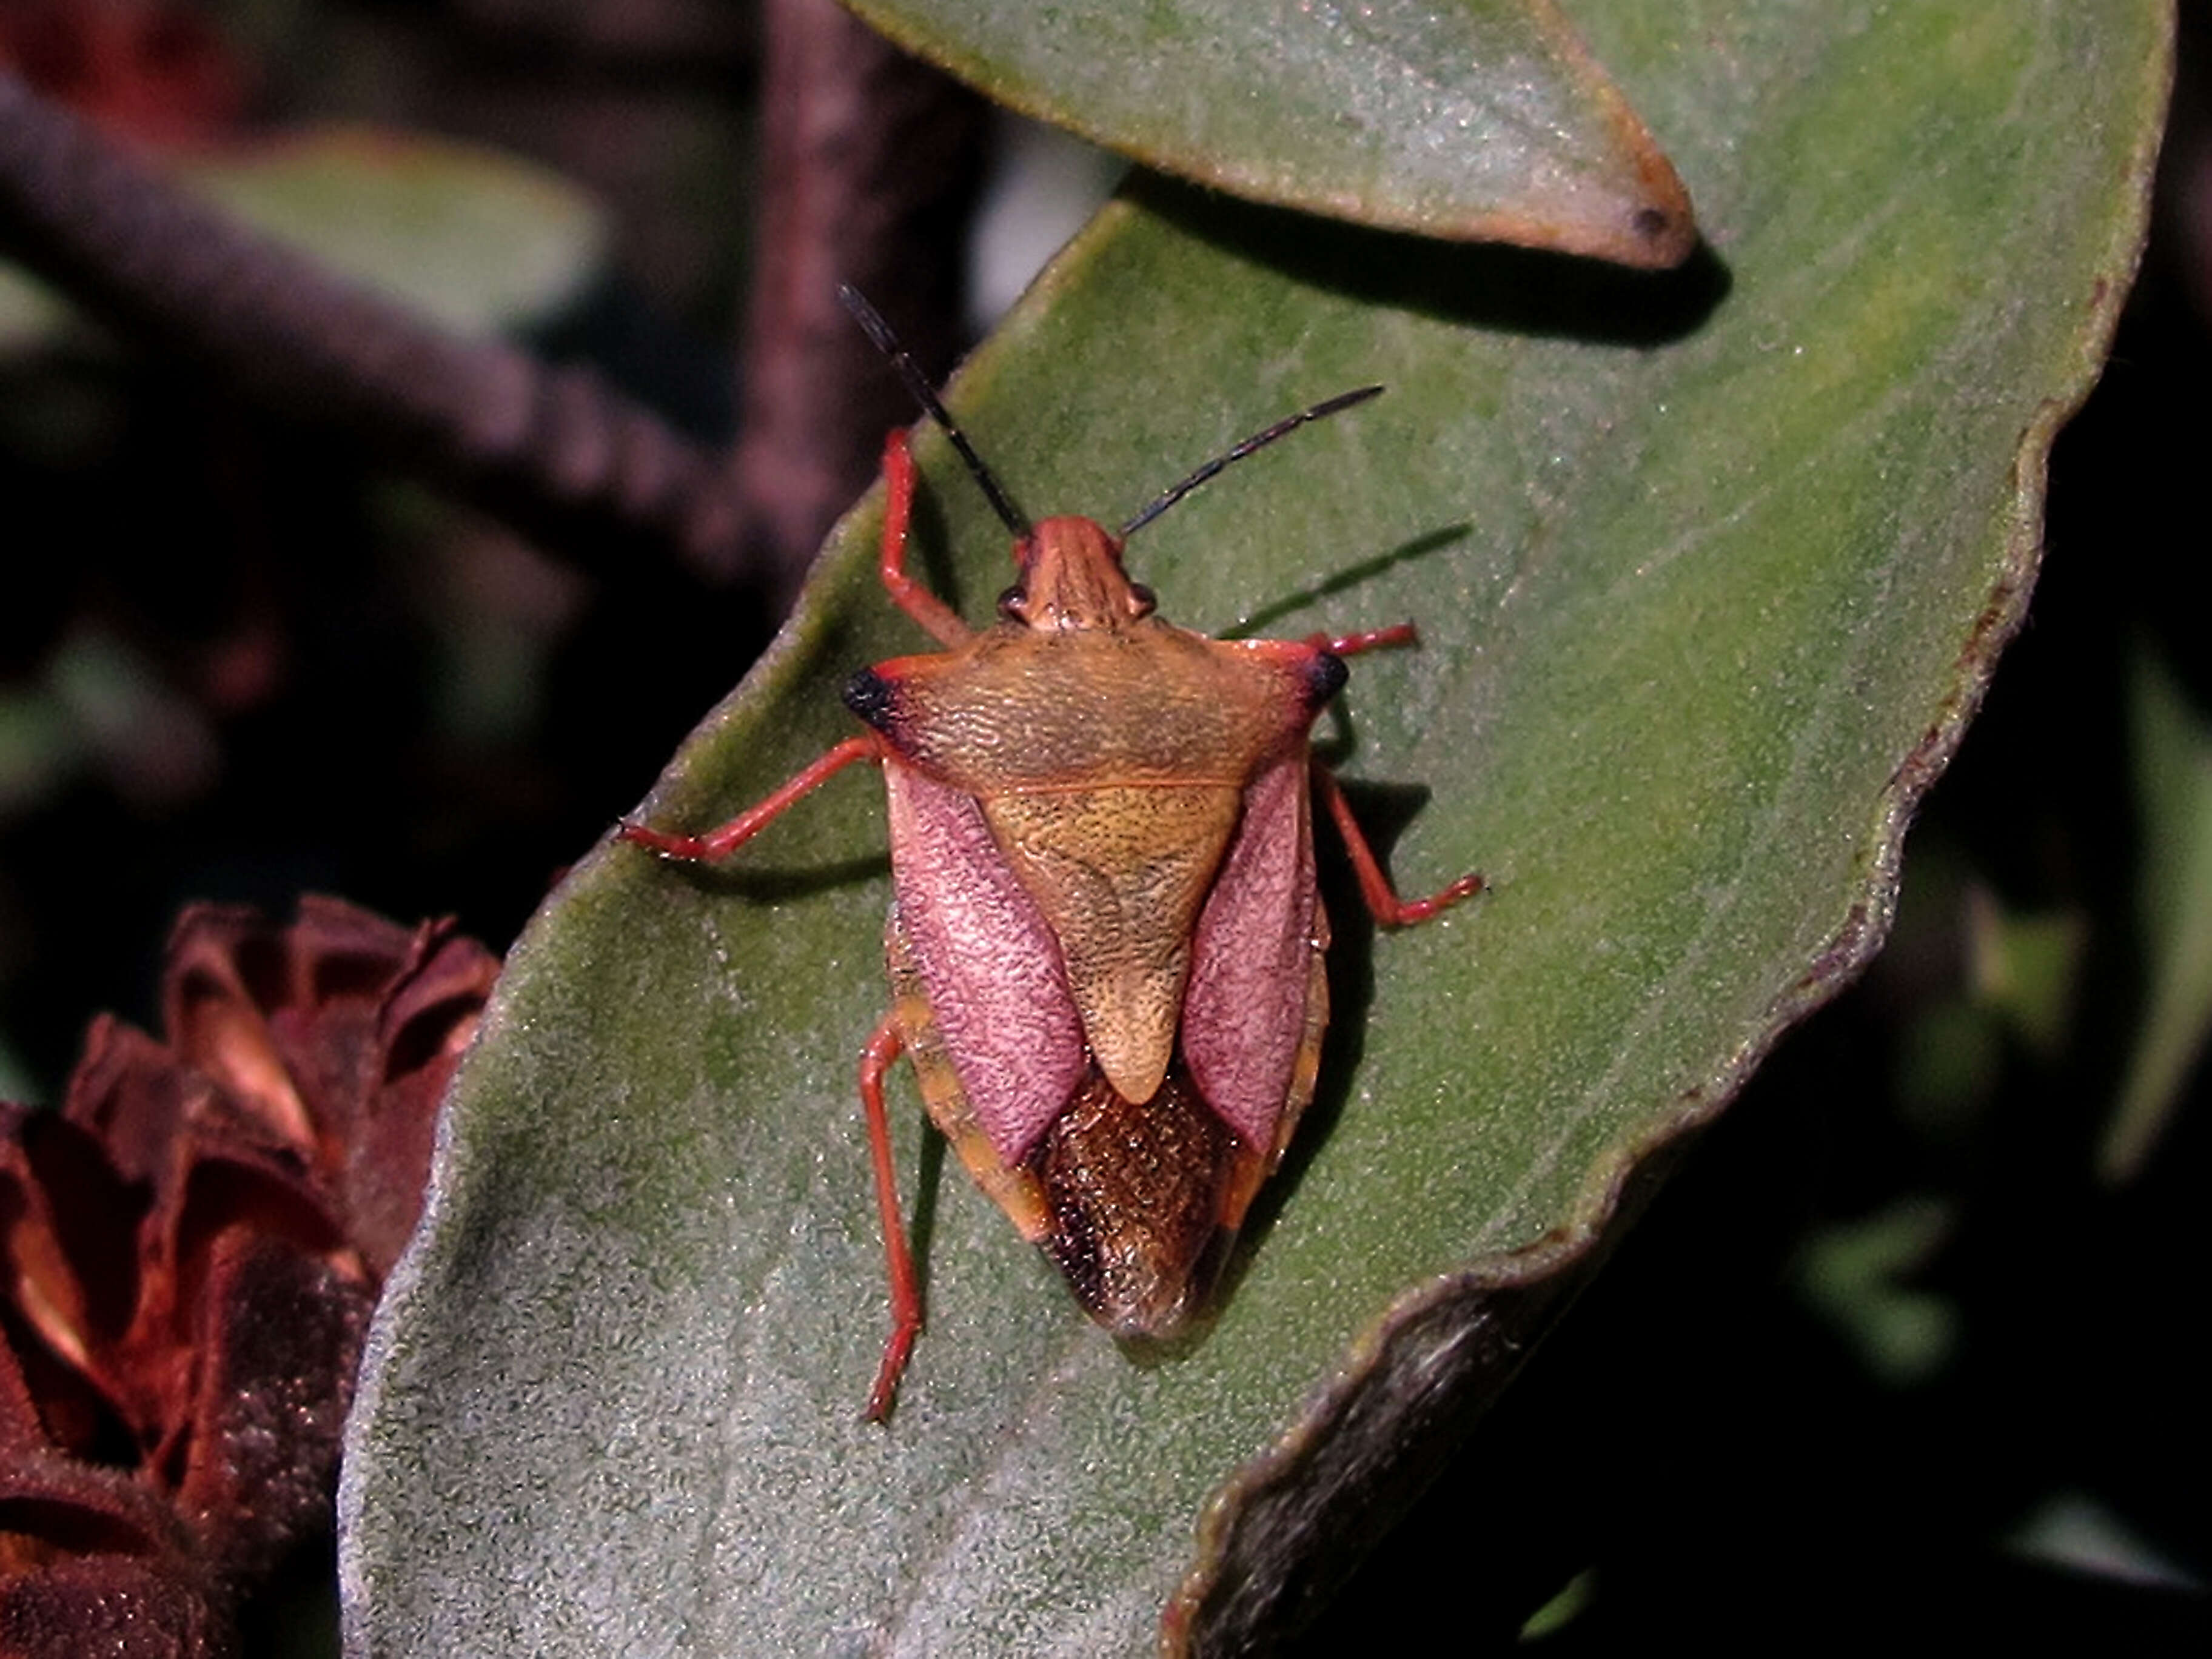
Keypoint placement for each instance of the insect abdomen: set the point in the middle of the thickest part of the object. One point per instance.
(1134, 1196)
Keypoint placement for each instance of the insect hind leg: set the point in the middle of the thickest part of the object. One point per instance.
(884, 1046)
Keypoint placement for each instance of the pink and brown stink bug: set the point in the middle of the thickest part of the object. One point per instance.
(1105, 940)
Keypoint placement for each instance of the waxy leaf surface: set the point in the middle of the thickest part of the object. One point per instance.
(1710, 568)
(1482, 119)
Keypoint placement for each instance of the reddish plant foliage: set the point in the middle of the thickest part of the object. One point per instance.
(189, 1250)
(145, 71)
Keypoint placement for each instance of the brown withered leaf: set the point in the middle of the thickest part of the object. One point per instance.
(190, 1251)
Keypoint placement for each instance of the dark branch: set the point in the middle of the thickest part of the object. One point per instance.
(870, 161)
(554, 451)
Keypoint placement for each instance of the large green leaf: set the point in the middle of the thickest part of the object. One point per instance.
(1481, 119)
(1711, 569)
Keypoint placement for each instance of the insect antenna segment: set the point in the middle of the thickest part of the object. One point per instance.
(873, 325)
(1258, 441)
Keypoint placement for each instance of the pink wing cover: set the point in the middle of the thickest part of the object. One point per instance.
(1244, 1013)
(989, 964)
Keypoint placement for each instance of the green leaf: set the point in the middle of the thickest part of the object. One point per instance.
(1483, 120)
(1710, 568)
(478, 240)
(2173, 781)
(1860, 1275)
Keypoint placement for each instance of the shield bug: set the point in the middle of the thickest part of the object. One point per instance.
(1106, 940)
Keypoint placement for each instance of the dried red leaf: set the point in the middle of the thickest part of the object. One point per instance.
(190, 1251)
(280, 1341)
(158, 73)
(340, 1032)
(107, 1605)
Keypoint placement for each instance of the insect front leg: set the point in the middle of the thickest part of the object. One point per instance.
(935, 616)
(1382, 901)
(721, 842)
(1374, 639)
(885, 1047)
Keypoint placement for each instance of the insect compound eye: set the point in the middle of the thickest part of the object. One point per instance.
(1142, 600)
(1014, 604)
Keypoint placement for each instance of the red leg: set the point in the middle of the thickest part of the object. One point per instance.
(719, 843)
(935, 616)
(876, 1059)
(1351, 645)
(1382, 901)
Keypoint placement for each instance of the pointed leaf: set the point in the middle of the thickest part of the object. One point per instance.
(1482, 120)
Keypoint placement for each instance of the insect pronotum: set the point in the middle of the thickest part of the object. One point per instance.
(1106, 941)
